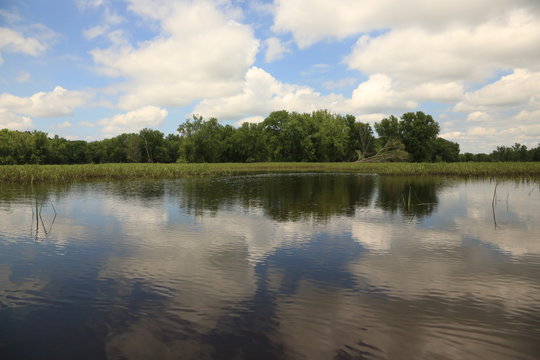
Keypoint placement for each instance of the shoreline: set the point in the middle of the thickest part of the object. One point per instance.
(30, 174)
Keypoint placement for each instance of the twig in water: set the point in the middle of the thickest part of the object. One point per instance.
(493, 204)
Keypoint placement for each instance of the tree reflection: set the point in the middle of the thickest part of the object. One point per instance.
(297, 197)
(412, 196)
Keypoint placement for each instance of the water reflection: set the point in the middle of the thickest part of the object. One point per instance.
(311, 196)
(266, 267)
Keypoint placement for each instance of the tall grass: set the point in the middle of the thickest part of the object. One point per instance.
(71, 173)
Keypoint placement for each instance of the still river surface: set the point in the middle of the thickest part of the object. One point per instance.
(290, 266)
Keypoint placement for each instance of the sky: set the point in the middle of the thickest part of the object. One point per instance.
(92, 69)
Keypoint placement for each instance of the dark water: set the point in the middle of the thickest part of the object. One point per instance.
(271, 267)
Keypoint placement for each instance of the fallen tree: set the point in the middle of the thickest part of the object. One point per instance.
(392, 151)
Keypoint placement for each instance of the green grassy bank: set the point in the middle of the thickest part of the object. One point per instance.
(71, 173)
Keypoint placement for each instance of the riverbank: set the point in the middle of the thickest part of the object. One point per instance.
(71, 173)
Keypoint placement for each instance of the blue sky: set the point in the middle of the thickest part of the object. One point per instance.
(90, 69)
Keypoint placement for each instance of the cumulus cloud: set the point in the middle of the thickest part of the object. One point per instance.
(9, 120)
(447, 92)
(520, 88)
(59, 102)
(251, 119)
(484, 131)
(133, 121)
(478, 116)
(275, 49)
(310, 21)
(371, 118)
(64, 125)
(181, 65)
(418, 54)
(15, 42)
(438, 51)
(378, 94)
(261, 94)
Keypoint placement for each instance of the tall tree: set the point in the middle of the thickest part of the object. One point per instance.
(153, 144)
(418, 132)
(388, 129)
(333, 136)
(445, 150)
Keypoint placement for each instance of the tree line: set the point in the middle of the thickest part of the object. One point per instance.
(283, 136)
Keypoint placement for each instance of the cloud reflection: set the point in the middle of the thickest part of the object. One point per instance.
(199, 267)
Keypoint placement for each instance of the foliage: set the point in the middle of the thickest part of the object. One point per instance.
(418, 132)
(388, 129)
(517, 152)
(445, 150)
(283, 136)
(392, 151)
(30, 174)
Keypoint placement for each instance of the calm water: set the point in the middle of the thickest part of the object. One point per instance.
(271, 267)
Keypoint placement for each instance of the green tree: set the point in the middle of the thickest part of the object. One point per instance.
(153, 145)
(247, 144)
(445, 150)
(388, 129)
(274, 128)
(202, 141)
(362, 140)
(333, 136)
(418, 132)
(40, 149)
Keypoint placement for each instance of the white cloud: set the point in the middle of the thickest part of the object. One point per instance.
(251, 119)
(378, 94)
(261, 94)
(15, 42)
(199, 53)
(519, 89)
(86, 124)
(493, 129)
(310, 21)
(433, 91)
(503, 112)
(59, 102)
(481, 131)
(64, 125)
(528, 116)
(110, 18)
(275, 49)
(9, 120)
(339, 83)
(133, 121)
(371, 118)
(95, 31)
(456, 53)
(478, 116)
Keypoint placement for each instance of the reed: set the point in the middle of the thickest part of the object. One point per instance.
(31, 174)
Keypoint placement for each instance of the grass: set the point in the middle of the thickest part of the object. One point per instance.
(29, 174)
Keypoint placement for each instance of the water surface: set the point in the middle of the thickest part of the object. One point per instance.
(291, 266)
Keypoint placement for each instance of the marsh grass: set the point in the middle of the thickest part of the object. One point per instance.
(33, 174)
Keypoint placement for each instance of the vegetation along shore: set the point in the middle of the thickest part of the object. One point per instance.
(283, 142)
(283, 136)
(29, 174)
